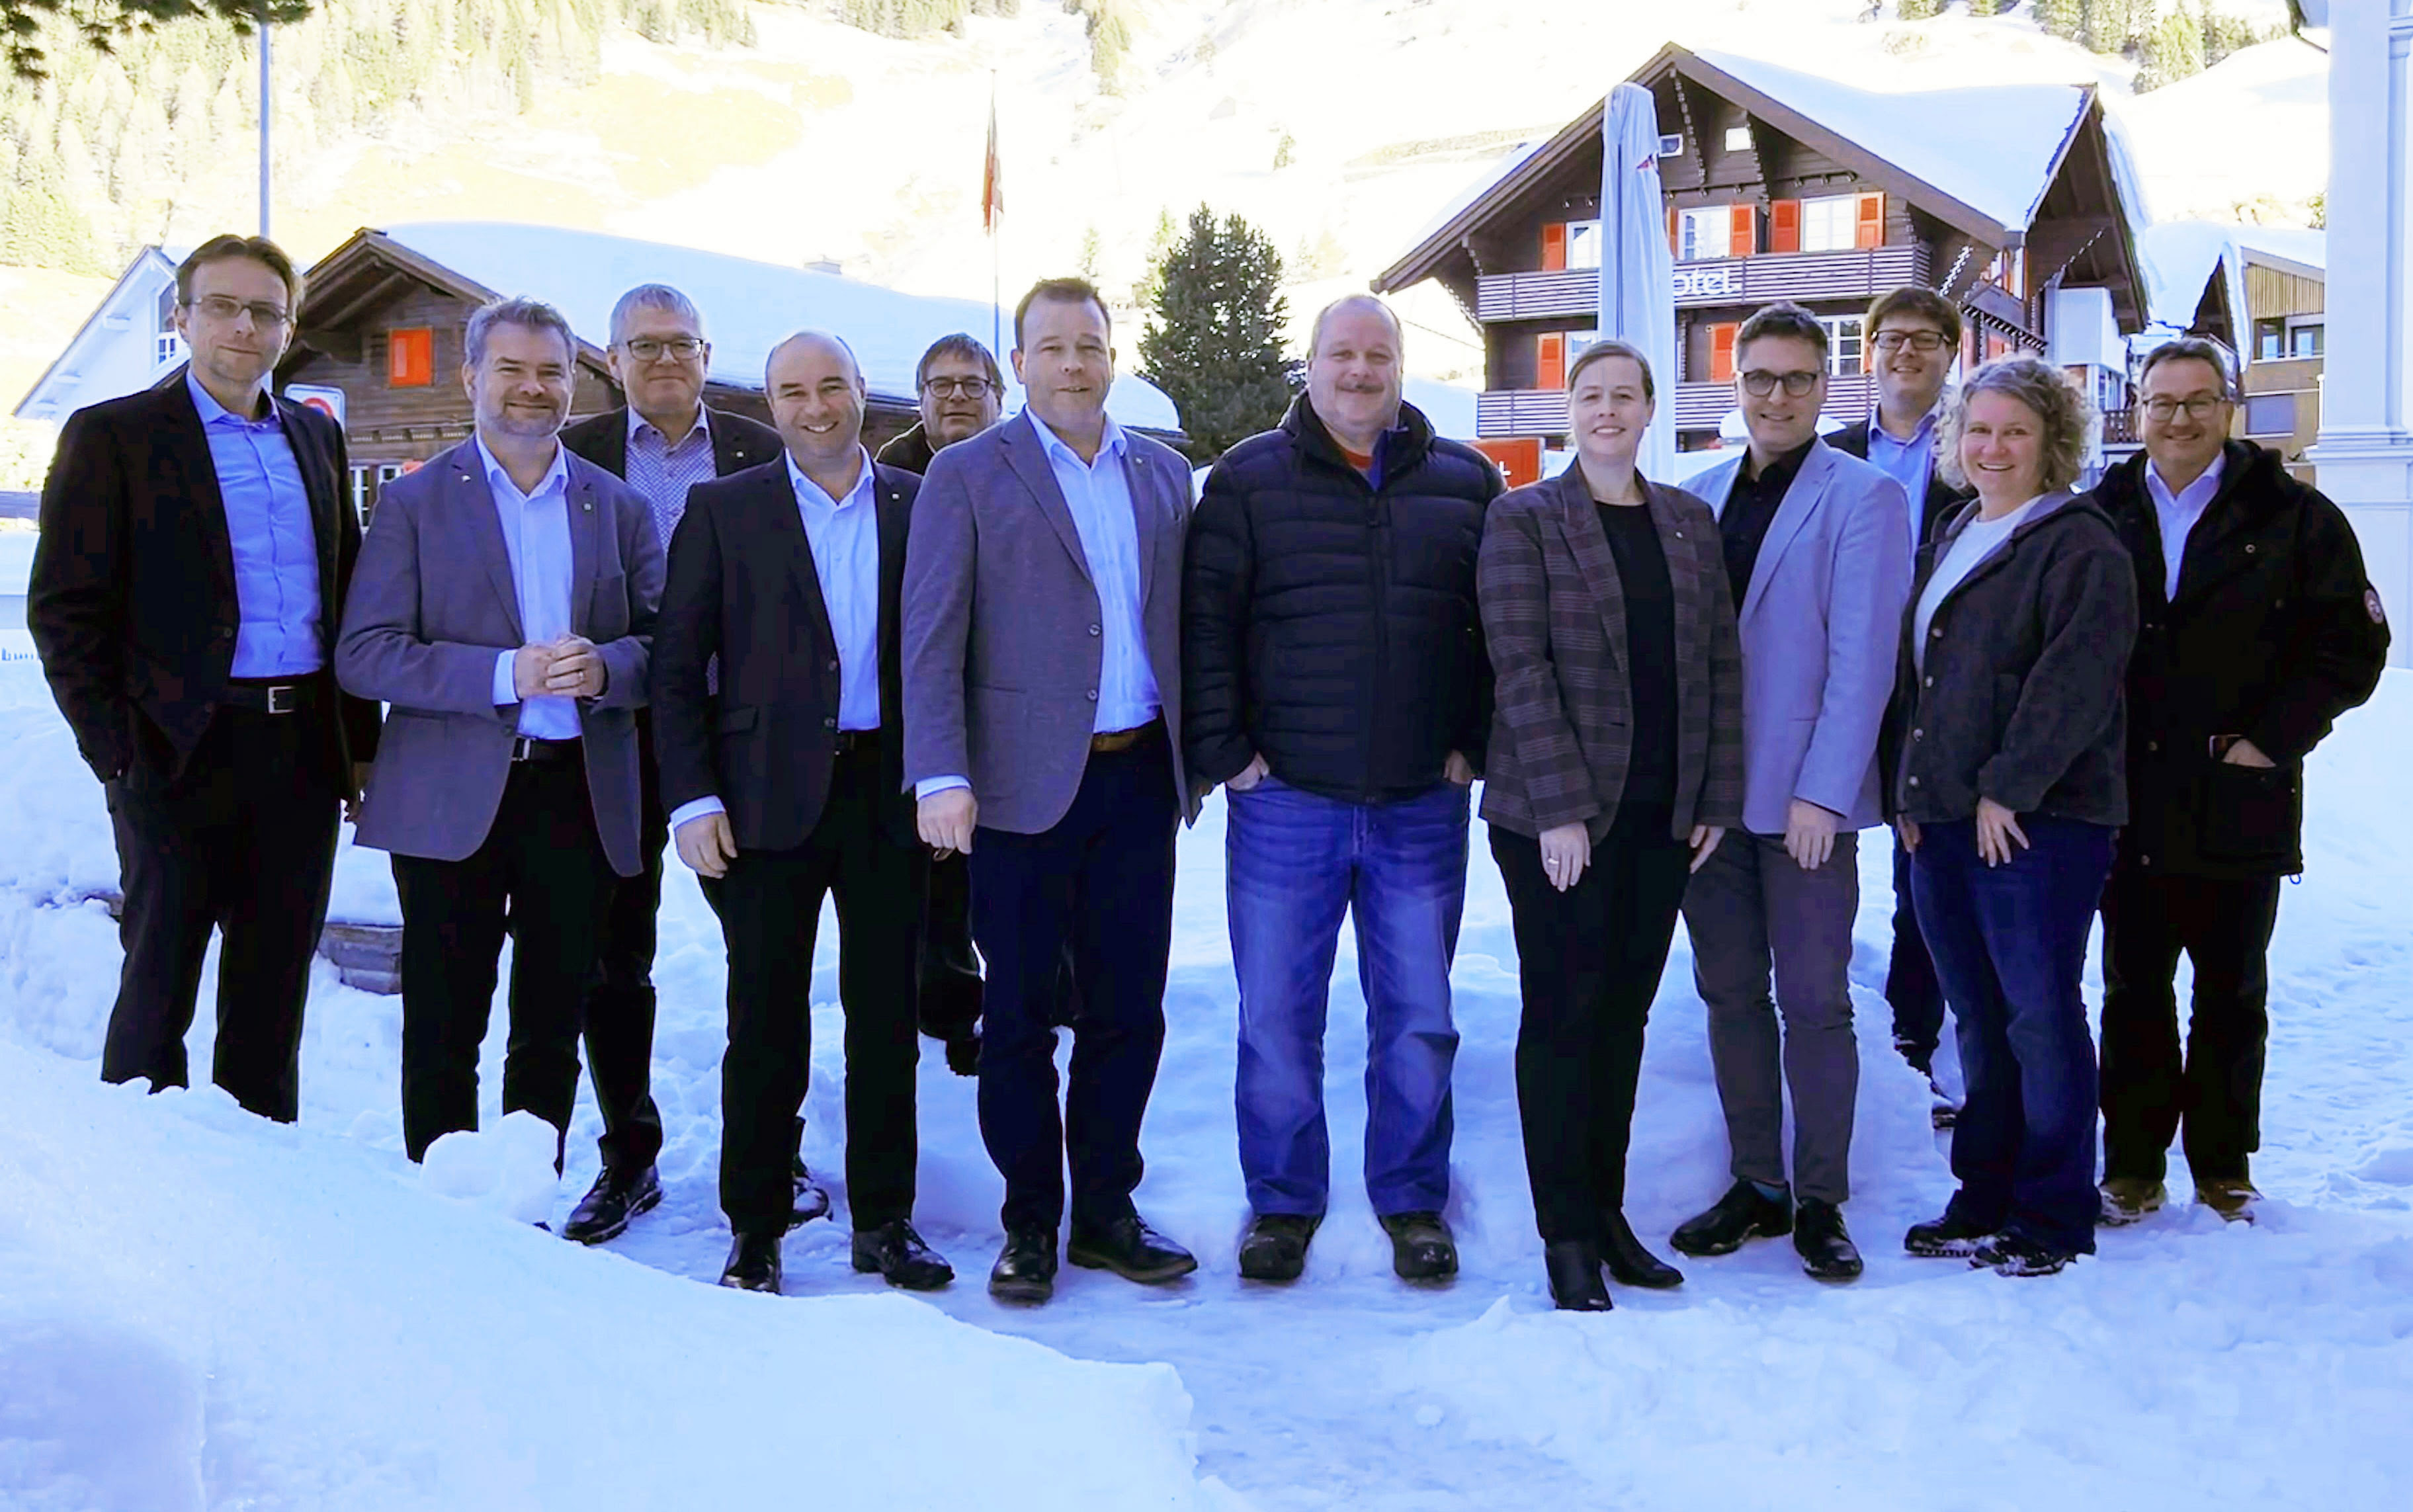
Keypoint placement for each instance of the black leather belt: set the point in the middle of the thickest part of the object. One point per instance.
(266, 695)
(851, 742)
(1111, 740)
(527, 749)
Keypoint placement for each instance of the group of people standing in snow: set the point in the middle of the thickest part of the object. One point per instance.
(972, 688)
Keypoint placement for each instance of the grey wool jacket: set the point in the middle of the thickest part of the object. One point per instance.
(2022, 698)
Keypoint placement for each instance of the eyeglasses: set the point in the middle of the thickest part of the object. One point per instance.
(2197, 406)
(960, 388)
(264, 316)
(646, 349)
(1760, 383)
(1918, 341)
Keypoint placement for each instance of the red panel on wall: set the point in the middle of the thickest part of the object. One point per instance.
(1554, 246)
(410, 358)
(1518, 457)
(1784, 226)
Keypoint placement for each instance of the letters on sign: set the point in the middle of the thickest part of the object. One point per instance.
(1705, 283)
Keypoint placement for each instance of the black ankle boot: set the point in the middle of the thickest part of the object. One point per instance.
(1628, 1261)
(1574, 1268)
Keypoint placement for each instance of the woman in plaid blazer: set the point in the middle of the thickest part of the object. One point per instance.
(1616, 763)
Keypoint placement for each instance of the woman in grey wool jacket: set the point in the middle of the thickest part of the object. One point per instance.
(2004, 771)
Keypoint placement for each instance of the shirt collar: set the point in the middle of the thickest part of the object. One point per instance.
(556, 476)
(809, 491)
(1921, 431)
(2205, 486)
(213, 411)
(1110, 442)
(703, 424)
(1779, 474)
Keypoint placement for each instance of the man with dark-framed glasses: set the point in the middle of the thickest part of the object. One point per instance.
(662, 442)
(1817, 551)
(2259, 628)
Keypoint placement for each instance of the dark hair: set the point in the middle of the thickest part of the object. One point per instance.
(960, 344)
(1782, 319)
(1062, 292)
(1912, 299)
(230, 247)
(1611, 346)
(519, 310)
(2190, 350)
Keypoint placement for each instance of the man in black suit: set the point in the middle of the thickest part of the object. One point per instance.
(786, 784)
(1914, 343)
(662, 442)
(195, 551)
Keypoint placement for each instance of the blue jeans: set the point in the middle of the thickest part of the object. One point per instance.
(2010, 948)
(1294, 861)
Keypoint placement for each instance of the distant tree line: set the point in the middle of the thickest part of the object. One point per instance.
(1108, 23)
(2168, 39)
(95, 153)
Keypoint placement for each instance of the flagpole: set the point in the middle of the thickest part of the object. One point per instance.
(992, 209)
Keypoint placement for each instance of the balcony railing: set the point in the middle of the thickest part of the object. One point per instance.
(1699, 406)
(1754, 280)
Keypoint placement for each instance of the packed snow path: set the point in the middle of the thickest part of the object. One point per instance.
(198, 1310)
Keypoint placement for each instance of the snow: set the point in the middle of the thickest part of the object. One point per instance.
(749, 307)
(198, 1309)
(2179, 257)
(2248, 139)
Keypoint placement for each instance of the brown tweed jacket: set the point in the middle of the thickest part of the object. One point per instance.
(1554, 617)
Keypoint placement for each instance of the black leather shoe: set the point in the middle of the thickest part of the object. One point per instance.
(898, 1252)
(963, 1055)
(1741, 1214)
(811, 1200)
(753, 1264)
(1574, 1268)
(1275, 1246)
(1947, 1238)
(1827, 1251)
(1628, 1261)
(1421, 1246)
(615, 1198)
(1026, 1267)
(1131, 1250)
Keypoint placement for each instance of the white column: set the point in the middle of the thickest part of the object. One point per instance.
(2364, 455)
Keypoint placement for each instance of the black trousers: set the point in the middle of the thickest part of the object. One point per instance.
(1101, 880)
(619, 1017)
(770, 909)
(543, 863)
(241, 840)
(2215, 1087)
(1910, 985)
(1588, 962)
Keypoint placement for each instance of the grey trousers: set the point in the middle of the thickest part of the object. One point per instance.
(1753, 915)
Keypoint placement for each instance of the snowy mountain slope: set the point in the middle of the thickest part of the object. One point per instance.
(2190, 1365)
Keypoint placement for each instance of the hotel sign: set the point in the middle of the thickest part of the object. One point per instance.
(1708, 283)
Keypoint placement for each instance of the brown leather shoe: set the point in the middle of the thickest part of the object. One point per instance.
(2232, 1200)
(2127, 1199)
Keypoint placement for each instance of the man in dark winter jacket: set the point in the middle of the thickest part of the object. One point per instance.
(2259, 628)
(1336, 682)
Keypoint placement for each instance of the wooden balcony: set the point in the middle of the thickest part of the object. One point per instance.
(1699, 406)
(1575, 293)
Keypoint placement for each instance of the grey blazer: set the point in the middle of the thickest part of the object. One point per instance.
(433, 602)
(1004, 644)
(1820, 624)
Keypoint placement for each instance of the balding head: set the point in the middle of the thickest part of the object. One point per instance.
(1355, 303)
(816, 390)
(1353, 371)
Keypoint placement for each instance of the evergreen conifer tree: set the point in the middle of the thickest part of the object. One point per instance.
(1214, 337)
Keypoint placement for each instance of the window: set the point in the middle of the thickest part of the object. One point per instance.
(410, 358)
(170, 348)
(1738, 138)
(1671, 146)
(2270, 340)
(1704, 233)
(1583, 244)
(2270, 414)
(1831, 224)
(2305, 341)
(1846, 352)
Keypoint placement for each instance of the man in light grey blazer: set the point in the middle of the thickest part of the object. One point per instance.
(504, 606)
(1043, 715)
(1817, 551)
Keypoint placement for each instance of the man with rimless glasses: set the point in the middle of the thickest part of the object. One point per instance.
(1817, 553)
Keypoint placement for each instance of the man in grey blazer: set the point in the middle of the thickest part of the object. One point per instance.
(1043, 715)
(1817, 551)
(504, 606)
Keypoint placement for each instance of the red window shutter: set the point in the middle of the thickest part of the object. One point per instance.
(1554, 246)
(410, 358)
(1871, 230)
(1743, 241)
(1784, 226)
(1722, 356)
(1675, 238)
(1550, 370)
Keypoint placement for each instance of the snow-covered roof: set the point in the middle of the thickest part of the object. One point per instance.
(748, 306)
(1993, 147)
(1483, 184)
(2180, 257)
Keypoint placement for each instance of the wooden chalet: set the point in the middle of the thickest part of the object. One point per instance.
(2015, 202)
(2261, 293)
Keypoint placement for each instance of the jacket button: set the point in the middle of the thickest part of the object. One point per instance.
(830, 723)
(1919, 735)
(1914, 782)
(2145, 860)
(1093, 695)
(1928, 681)
(1936, 633)
(2152, 745)
(1096, 630)
(833, 664)
(2249, 548)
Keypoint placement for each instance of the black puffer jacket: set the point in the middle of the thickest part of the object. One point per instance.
(2275, 632)
(1330, 625)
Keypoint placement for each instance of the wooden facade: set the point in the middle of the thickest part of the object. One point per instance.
(1763, 204)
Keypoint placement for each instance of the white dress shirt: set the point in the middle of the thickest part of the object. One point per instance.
(536, 533)
(2176, 515)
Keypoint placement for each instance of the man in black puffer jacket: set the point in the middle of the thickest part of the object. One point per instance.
(2259, 628)
(1333, 678)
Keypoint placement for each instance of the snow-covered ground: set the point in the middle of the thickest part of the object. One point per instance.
(200, 1310)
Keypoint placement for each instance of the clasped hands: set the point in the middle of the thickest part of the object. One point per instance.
(568, 666)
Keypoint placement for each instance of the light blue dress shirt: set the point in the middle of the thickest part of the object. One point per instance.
(844, 535)
(536, 533)
(1908, 463)
(2176, 515)
(276, 545)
